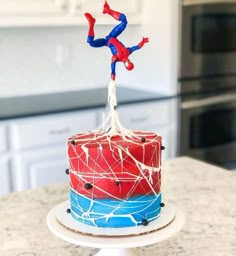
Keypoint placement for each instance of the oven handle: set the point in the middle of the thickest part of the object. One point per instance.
(229, 98)
(197, 2)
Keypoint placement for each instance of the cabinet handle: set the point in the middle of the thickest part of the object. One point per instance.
(62, 4)
(139, 119)
(214, 100)
(204, 2)
(76, 5)
(58, 132)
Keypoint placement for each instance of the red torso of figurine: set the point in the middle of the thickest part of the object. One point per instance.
(119, 51)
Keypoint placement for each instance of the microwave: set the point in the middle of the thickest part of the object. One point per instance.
(208, 44)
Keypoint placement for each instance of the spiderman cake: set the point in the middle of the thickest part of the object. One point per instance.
(115, 173)
(115, 182)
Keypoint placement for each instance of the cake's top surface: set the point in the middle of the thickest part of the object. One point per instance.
(100, 138)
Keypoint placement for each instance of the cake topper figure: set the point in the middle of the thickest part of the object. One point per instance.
(120, 53)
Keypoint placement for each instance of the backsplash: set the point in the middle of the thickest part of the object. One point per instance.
(39, 60)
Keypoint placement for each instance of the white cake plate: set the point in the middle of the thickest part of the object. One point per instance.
(115, 241)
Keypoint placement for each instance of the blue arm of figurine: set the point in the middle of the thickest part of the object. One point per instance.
(134, 48)
(139, 46)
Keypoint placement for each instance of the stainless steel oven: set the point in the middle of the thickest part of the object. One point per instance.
(208, 45)
(208, 127)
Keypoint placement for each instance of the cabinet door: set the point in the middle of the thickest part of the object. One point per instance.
(35, 132)
(4, 176)
(39, 168)
(144, 115)
(32, 7)
(48, 172)
(131, 8)
(2, 139)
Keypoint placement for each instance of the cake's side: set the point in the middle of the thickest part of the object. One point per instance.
(115, 182)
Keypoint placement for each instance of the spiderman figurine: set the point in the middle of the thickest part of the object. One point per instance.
(120, 53)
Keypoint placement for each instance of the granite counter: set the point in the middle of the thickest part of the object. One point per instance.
(42, 104)
(206, 194)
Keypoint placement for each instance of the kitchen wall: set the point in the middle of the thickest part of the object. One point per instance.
(41, 60)
(37, 60)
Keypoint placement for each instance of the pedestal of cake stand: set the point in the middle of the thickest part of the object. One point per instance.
(115, 245)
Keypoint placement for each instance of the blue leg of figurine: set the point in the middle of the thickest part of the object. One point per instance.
(113, 70)
(134, 48)
(117, 30)
(118, 16)
(100, 42)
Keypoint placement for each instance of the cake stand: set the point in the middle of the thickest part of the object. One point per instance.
(116, 241)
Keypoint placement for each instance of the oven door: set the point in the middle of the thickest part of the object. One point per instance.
(208, 39)
(208, 128)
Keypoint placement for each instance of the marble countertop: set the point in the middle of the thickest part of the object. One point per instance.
(206, 194)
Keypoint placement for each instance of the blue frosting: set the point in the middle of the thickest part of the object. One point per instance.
(115, 213)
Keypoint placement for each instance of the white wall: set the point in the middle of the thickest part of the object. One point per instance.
(39, 60)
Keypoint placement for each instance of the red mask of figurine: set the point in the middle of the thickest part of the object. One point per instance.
(128, 64)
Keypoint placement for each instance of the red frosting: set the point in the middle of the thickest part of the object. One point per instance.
(116, 167)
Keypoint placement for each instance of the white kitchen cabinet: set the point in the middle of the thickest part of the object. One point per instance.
(144, 115)
(47, 172)
(32, 7)
(39, 168)
(62, 12)
(131, 8)
(128, 7)
(4, 163)
(39, 148)
(156, 116)
(3, 139)
(15, 13)
(34, 132)
(4, 175)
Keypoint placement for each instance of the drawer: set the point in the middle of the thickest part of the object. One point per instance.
(3, 139)
(48, 130)
(142, 116)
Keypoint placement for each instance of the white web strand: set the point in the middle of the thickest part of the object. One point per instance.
(112, 123)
